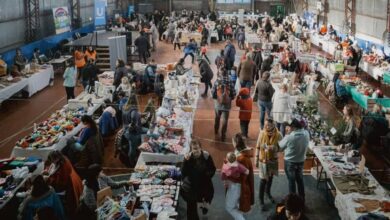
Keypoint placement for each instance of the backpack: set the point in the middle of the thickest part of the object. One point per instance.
(223, 94)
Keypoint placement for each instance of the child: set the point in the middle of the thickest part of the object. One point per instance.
(203, 51)
(245, 102)
(231, 173)
(233, 74)
(176, 40)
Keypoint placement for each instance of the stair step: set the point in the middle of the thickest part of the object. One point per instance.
(103, 58)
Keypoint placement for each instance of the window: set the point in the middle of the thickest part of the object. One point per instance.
(233, 1)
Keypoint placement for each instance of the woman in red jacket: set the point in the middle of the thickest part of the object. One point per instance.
(244, 101)
(63, 178)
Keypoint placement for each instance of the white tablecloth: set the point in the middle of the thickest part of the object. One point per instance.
(372, 70)
(328, 45)
(344, 202)
(43, 153)
(12, 89)
(40, 80)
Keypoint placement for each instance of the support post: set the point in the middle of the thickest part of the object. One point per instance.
(33, 26)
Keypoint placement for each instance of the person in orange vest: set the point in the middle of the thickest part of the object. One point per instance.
(79, 60)
(90, 53)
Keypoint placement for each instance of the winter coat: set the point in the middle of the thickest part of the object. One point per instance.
(120, 72)
(108, 123)
(197, 174)
(230, 53)
(92, 153)
(246, 70)
(282, 107)
(247, 197)
(31, 205)
(257, 59)
(264, 91)
(244, 101)
(205, 71)
(66, 179)
(142, 44)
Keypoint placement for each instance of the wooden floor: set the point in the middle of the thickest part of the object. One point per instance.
(17, 116)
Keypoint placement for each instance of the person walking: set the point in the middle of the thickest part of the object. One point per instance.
(70, 76)
(246, 70)
(223, 94)
(231, 172)
(244, 102)
(244, 155)
(267, 159)
(197, 171)
(206, 75)
(143, 47)
(154, 31)
(229, 55)
(282, 108)
(190, 49)
(295, 145)
(263, 95)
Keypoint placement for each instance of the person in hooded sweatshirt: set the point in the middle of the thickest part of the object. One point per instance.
(245, 102)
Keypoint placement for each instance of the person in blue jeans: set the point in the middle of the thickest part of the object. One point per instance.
(295, 145)
(263, 94)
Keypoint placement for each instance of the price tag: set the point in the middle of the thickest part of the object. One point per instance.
(333, 130)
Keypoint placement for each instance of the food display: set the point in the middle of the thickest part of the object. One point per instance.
(158, 186)
(51, 130)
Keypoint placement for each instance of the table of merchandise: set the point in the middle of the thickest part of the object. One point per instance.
(363, 100)
(252, 39)
(328, 45)
(44, 152)
(186, 36)
(373, 70)
(40, 80)
(7, 91)
(21, 174)
(32, 83)
(176, 113)
(60, 62)
(346, 203)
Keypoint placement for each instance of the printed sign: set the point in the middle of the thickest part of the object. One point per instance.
(100, 12)
(61, 19)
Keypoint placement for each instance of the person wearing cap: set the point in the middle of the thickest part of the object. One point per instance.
(295, 145)
(263, 95)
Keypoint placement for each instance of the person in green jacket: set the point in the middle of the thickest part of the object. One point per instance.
(70, 75)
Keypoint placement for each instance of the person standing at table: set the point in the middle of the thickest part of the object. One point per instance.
(295, 145)
(3, 67)
(70, 75)
(79, 59)
(154, 31)
(19, 60)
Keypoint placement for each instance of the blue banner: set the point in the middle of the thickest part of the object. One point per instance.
(130, 11)
(100, 12)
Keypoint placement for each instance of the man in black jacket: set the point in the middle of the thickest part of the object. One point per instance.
(258, 60)
(89, 74)
(207, 75)
(263, 94)
(143, 47)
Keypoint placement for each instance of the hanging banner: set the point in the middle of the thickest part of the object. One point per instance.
(100, 12)
(61, 19)
(130, 10)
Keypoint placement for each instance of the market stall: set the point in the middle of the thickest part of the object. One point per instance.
(324, 42)
(54, 133)
(353, 184)
(11, 86)
(14, 172)
(175, 118)
(40, 79)
(376, 71)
